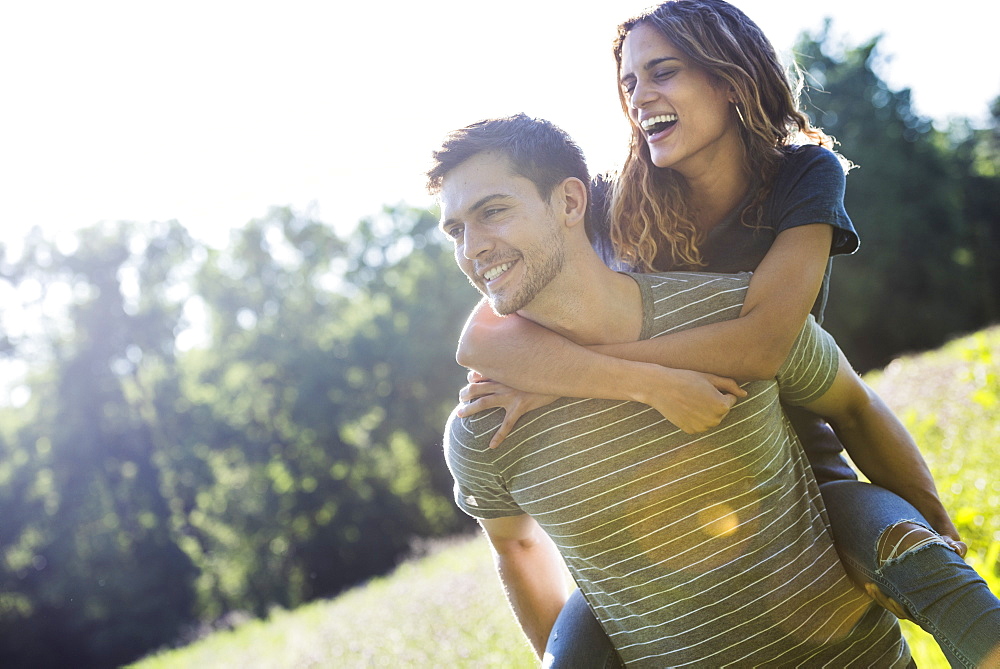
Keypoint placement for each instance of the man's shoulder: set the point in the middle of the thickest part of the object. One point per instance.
(682, 280)
(692, 286)
(674, 301)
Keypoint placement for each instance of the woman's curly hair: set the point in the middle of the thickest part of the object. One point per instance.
(651, 213)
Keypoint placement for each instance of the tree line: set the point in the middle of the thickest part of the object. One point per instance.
(204, 431)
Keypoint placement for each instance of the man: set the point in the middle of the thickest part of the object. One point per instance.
(693, 549)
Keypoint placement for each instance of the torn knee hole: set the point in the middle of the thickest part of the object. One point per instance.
(905, 537)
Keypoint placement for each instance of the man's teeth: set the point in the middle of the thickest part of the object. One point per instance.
(657, 123)
(494, 272)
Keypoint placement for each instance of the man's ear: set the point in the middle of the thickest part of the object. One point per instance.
(572, 200)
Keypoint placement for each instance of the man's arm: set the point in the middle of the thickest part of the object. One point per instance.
(532, 573)
(879, 444)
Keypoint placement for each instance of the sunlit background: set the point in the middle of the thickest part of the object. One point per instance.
(211, 112)
(189, 434)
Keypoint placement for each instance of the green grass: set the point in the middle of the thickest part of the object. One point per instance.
(447, 609)
(444, 610)
(949, 400)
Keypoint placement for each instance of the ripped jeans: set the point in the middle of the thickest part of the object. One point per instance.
(942, 593)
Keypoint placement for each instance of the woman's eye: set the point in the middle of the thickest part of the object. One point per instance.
(664, 74)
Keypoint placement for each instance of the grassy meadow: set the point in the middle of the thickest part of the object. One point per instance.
(446, 608)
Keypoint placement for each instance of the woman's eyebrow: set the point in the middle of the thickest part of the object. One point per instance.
(656, 61)
(648, 66)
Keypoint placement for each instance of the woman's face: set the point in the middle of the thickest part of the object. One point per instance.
(683, 112)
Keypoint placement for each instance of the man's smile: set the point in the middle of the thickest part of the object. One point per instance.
(496, 271)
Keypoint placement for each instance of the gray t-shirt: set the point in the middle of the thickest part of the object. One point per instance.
(693, 550)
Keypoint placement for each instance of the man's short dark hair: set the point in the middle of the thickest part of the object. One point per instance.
(537, 149)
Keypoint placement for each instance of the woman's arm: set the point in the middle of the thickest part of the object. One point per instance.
(523, 355)
(782, 291)
(880, 446)
(692, 401)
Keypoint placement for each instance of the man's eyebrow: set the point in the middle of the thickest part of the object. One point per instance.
(480, 203)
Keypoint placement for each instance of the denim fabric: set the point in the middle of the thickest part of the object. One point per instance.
(942, 593)
(577, 640)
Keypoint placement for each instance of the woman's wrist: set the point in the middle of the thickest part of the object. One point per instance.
(643, 381)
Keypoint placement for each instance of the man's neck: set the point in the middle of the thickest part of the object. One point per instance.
(590, 304)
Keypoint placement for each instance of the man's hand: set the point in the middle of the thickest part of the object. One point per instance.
(887, 603)
(482, 394)
(692, 401)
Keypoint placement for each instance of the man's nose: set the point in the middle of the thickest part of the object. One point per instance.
(476, 243)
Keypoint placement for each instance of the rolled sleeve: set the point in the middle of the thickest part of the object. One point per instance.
(811, 366)
(479, 489)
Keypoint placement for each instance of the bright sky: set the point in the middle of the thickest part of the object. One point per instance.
(209, 112)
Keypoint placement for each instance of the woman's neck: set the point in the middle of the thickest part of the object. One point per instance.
(717, 193)
(717, 182)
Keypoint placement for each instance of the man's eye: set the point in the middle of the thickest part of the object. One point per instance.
(492, 211)
(454, 231)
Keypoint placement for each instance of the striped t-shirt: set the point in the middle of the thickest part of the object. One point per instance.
(693, 550)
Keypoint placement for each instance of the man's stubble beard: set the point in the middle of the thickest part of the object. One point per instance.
(548, 259)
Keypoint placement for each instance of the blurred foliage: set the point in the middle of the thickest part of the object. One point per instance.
(947, 400)
(926, 203)
(290, 450)
(203, 432)
(947, 403)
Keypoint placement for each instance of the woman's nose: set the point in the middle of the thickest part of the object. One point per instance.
(641, 95)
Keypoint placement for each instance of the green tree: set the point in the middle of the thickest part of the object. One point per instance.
(319, 400)
(92, 574)
(214, 430)
(909, 286)
(977, 153)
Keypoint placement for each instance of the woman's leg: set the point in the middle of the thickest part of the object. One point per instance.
(578, 641)
(883, 539)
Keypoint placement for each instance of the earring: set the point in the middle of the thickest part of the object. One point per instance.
(740, 114)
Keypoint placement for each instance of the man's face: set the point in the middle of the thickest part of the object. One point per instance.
(507, 239)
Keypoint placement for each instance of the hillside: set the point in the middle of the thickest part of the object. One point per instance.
(446, 608)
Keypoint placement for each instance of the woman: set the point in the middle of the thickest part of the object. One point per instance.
(715, 182)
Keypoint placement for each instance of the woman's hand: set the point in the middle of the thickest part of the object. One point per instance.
(941, 523)
(482, 394)
(693, 401)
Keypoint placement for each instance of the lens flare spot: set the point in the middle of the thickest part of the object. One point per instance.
(719, 520)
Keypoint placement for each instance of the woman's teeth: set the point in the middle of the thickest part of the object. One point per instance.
(658, 123)
(494, 272)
